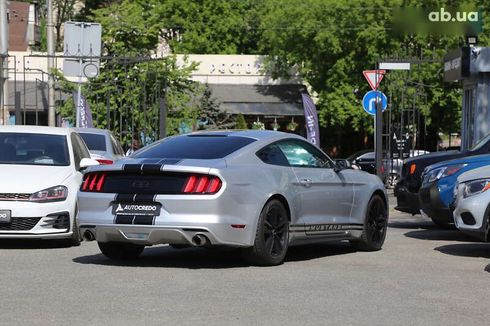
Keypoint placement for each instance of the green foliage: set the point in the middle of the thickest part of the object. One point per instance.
(210, 116)
(240, 122)
(194, 26)
(133, 92)
(331, 42)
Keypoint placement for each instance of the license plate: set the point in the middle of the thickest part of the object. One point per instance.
(149, 209)
(5, 216)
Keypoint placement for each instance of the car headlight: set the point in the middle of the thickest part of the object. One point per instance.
(57, 193)
(443, 172)
(475, 187)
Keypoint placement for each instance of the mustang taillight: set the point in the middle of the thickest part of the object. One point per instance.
(202, 184)
(93, 182)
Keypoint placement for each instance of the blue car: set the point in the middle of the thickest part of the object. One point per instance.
(438, 181)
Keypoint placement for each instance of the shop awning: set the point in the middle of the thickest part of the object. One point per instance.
(280, 100)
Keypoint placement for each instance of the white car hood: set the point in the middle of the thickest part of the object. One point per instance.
(31, 178)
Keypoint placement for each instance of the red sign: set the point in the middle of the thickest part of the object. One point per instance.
(374, 77)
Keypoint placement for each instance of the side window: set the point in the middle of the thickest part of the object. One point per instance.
(302, 154)
(116, 148)
(77, 153)
(83, 147)
(79, 149)
(272, 154)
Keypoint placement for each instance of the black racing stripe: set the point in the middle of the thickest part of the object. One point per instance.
(143, 220)
(124, 219)
(144, 197)
(132, 168)
(152, 168)
(124, 197)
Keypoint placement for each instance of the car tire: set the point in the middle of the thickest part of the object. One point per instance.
(120, 250)
(375, 225)
(272, 236)
(76, 237)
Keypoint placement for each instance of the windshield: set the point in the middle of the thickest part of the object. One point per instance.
(194, 147)
(33, 149)
(94, 142)
(480, 144)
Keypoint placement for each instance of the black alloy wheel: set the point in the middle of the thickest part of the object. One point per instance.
(376, 223)
(272, 237)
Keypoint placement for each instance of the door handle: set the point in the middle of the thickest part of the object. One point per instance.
(305, 182)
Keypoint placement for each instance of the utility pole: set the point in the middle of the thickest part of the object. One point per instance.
(4, 114)
(51, 45)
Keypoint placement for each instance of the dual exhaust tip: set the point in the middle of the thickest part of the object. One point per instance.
(88, 236)
(198, 240)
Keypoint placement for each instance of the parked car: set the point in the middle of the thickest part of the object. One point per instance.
(472, 205)
(102, 143)
(258, 190)
(407, 189)
(391, 168)
(365, 160)
(438, 182)
(40, 173)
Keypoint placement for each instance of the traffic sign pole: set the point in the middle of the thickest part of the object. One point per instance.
(378, 139)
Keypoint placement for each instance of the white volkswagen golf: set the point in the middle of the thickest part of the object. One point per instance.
(40, 173)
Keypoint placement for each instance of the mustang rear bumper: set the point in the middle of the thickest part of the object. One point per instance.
(157, 234)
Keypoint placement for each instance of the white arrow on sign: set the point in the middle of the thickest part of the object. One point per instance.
(374, 77)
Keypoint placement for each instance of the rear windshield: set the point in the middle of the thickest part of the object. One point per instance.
(194, 147)
(94, 142)
(33, 149)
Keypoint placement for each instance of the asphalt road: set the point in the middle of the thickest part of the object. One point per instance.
(423, 276)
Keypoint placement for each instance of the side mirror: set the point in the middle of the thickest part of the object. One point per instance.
(342, 164)
(86, 162)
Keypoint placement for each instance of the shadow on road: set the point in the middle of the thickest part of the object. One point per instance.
(477, 250)
(426, 230)
(436, 234)
(487, 269)
(413, 223)
(215, 258)
(32, 244)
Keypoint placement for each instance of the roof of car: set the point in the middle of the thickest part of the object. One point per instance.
(36, 129)
(255, 134)
(92, 130)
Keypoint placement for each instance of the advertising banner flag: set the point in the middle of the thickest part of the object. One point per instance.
(311, 119)
(85, 117)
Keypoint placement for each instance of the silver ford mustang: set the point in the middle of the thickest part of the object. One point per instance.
(259, 190)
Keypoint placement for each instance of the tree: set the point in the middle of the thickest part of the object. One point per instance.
(240, 122)
(210, 115)
(331, 42)
(194, 26)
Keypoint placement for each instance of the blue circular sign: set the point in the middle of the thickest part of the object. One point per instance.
(371, 98)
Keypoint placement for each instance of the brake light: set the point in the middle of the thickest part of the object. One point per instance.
(104, 161)
(93, 182)
(413, 167)
(202, 185)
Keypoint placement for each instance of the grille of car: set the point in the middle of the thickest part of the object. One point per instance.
(14, 197)
(20, 224)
